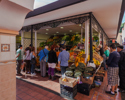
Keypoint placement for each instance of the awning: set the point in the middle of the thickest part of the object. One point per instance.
(108, 13)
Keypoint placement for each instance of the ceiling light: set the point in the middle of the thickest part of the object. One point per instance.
(47, 29)
(61, 27)
(79, 24)
(57, 32)
(46, 33)
(70, 30)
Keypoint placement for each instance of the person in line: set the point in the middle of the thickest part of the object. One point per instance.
(27, 60)
(52, 60)
(106, 52)
(63, 59)
(33, 61)
(113, 69)
(19, 60)
(103, 55)
(42, 54)
(121, 68)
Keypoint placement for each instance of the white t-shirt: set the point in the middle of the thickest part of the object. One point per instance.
(27, 55)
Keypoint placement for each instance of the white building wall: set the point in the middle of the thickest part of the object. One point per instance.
(123, 33)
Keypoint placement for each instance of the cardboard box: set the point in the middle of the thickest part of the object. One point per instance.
(71, 82)
(88, 81)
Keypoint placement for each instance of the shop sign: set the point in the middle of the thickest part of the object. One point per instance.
(113, 41)
(81, 46)
(5, 47)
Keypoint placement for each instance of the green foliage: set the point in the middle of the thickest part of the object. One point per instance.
(42, 44)
(96, 38)
(122, 25)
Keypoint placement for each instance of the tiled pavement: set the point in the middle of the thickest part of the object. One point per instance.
(26, 91)
(49, 90)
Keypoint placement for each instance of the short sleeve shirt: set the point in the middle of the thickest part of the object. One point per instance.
(20, 56)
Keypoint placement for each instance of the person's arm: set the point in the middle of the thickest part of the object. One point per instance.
(106, 53)
(110, 59)
(27, 54)
(34, 54)
(39, 54)
(59, 59)
(18, 53)
(68, 56)
(121, 57)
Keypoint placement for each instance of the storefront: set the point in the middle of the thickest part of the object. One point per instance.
(81, 33)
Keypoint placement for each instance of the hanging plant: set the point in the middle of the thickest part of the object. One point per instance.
(96, 38)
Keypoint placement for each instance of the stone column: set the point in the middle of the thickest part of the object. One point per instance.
(86, 39)
(35, 41)
(22, 40)
(7, 67)
(81, 33)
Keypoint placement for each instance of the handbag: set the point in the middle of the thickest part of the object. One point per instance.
(33, 60)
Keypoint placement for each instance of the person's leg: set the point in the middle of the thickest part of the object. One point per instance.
(41, 65)
(18, 66)
(32, 68)
(104, 62)
(53, 73)
(63, 69)
(49, 72)
(113, 88)
(29, 66)
(44, 68)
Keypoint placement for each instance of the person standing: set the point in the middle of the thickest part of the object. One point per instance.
(121, 68)
(27, 60)
(113, 69)
(63, 59)
(19, 60)
(52, 60)
(42, 54)
(103, 55)
(33, 61)
(106, 52)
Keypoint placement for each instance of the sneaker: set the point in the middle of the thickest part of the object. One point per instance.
(122, 91)
(114, 91)
(33, 74)
(109, 92)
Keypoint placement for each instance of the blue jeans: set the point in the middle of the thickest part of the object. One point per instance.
(32, 68)
(63, 69)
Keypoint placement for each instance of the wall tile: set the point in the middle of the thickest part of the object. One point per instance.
(5, 39)
(12, 47)
(5, 56)
(13, 55)
(12, 39)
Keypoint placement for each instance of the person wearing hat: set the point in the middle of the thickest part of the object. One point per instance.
(121, 68)
(19, 59)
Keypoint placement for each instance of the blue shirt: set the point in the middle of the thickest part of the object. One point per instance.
(42, 55)
(113, 60)
(63, 58)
